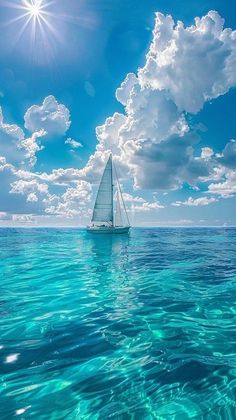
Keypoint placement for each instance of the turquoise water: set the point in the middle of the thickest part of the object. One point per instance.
(121, 327)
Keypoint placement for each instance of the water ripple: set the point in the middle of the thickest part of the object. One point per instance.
(138, 327)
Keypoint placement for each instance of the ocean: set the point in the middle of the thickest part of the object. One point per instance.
(122, 327)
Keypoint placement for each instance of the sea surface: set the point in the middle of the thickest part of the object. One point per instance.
(118, 327)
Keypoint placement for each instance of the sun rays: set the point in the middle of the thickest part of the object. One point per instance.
(36, 23)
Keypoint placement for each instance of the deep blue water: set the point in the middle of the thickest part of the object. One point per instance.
(122, 327)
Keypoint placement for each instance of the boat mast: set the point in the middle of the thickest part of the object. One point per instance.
(112, 193)
(119, 188)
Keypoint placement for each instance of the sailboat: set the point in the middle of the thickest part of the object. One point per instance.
(104, 220)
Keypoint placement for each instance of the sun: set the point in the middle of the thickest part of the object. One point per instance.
(34, 8)
(35, 23)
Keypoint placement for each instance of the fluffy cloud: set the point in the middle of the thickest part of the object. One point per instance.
(32, 197)
(153, 141)
(52, 117)
(207, 153)
(201, 201)
(138, 204)
(133, 199)
(73, 143)
(123, 93)
(22, 187)
(146, 207)
(226, 188)
(70, 203)
(192, 64)
(108, 136)
(19, 155)
(10, 137)
(32, 146)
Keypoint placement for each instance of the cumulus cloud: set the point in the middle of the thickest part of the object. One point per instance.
(19, 155)
(71, 202)
(32, 146)
(194, 202)
(133, 199)
(73, 143)
(194, 64)
(138, 204)
(226, 188)
(32, 197)
(207, 153)
(17, 149)
(153, 141)
(10, 137)
(29, 188)
(124, 91)
(51, 116)
(146, 207)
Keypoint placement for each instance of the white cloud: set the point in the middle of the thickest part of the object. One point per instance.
(11, 130)
(70, 203)
(138, 204)
(146, 207)
(32, 197)
(226, 188)
(124, 91)
(201, 201)
(153, 141)
(10, 137)
(52, 117)
(31, 146)
(207, 153)
(193, 64)
(128, 198)
(73, 143)
(26, 187)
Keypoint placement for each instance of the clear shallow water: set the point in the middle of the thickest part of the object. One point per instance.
(98, 327)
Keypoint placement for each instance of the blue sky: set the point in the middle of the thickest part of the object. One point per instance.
(170, 127)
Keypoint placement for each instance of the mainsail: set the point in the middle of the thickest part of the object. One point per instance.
(103, 208)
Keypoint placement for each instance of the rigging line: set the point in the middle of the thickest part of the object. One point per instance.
(121, 195)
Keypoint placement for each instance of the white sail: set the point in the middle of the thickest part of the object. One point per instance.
(118, 218)
(125, 219)
(103, 208)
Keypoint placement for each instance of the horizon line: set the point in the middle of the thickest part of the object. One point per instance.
(132, 227)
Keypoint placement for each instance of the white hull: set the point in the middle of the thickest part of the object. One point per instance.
(107, 229)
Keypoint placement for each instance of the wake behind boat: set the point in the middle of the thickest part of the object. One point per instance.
(103, 220)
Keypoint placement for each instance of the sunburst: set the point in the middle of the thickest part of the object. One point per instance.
(34, 8)
(36, 13)
(36, 18)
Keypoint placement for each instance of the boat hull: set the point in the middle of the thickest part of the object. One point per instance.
(108, 230)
